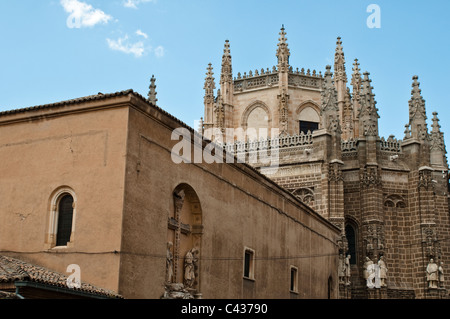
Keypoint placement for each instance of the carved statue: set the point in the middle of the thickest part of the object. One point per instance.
(432, 274)
(441, 273)
(347, 270)
(190, 263)
(370, 272)
(169, 263)
(341, 269)
(383, 271)
(367, 263)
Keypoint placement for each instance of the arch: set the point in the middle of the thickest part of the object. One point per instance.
(61, 227)
(351, 233)
(306, 195)
(395, 201)
(184, 234)
(250, 109)
(308, 116)
(308, 104)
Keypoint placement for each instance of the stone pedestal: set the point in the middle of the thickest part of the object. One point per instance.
(436, 293)
(345, 291)
(377, 293)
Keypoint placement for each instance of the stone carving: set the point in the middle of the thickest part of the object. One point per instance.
(169, 263)
(370, 177)
(347, 270)
(432, 274)
(441, 274)
(367, 268)
(344, 270)
(176, 291)
(373, 273)
(383, 272)
(341, 269)
(190, 266)
(283, 112)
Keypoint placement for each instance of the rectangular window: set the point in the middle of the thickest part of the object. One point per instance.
(249, 263)
(306, 126)
(294, 279)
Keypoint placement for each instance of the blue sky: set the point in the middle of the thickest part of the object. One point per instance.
(54, 50)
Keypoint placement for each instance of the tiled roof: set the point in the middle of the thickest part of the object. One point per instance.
(99, 96)
(12, 269)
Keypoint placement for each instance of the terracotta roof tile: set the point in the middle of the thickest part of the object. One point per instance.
(12, 269)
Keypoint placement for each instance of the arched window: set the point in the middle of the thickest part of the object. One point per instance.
(65, 220)
(62, 218)
(351, 239)
(308, 118)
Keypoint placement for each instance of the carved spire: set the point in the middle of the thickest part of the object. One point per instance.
(283, 52)
(210, 85)
(368, 114)
(208, 99)
(219, 111)
(339, 62)
(417, 113)
(356, 81)
(227, 71)
(330, 109)
(152, 93)
(347, 127)
(437, 144)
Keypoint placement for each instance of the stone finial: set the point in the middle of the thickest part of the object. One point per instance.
(435, 126)
(210, 84)
(330, 108)
(356, 81)
(417, 112)
(152, 93)
(283, 52)
(436, 136)
(368, 113)
(339, 62)
(227, 71)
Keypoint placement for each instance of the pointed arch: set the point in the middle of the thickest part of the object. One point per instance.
(307, 116)
(254, 107)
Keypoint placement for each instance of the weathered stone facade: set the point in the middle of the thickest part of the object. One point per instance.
(390, 197)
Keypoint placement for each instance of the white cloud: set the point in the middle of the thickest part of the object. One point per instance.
(134, 3)
(83, 14)
(123, 45)
(159, 51)
(142, 34)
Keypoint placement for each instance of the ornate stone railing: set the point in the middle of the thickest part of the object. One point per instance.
(391, 144)
(270, 143)
(349, 146)
(267, 78)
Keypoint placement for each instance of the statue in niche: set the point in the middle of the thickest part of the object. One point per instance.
(441, 274)
(341, 269)
(432, 274)
(370, 273)
(367, 268)
(383, 271)
(190, 265)
(347, 270)
(169, 263)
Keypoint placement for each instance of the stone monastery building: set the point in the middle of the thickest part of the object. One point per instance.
(100, 198)
(388, 197)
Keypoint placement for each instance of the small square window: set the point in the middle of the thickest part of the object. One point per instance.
(294, 279)
(249, 263)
